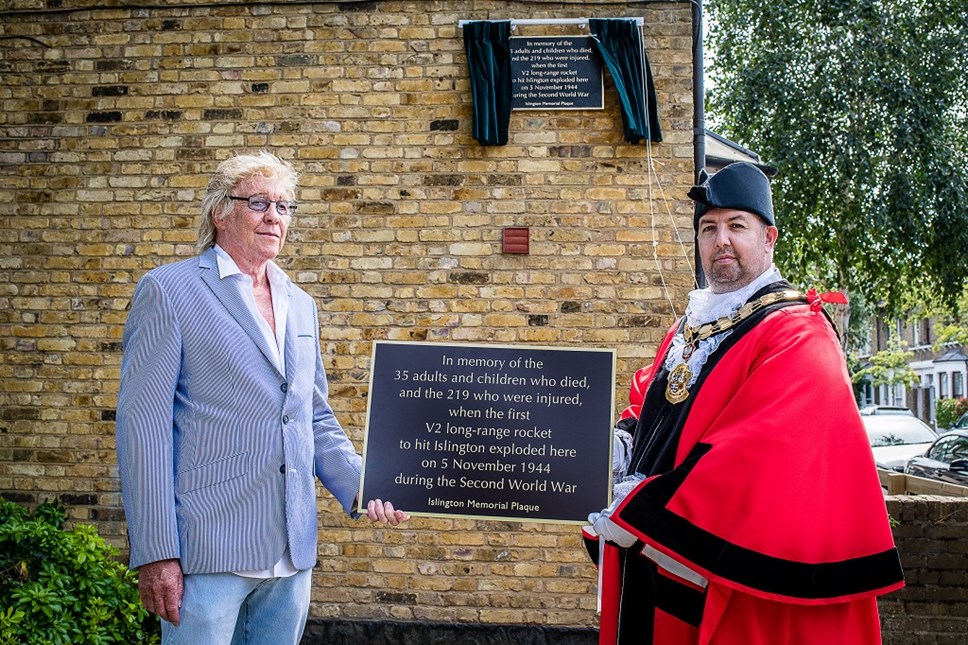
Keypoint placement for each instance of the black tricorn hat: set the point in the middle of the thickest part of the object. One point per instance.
(740, 185)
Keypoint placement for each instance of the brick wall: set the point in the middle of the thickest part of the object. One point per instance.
(112, 121)
(932, 537)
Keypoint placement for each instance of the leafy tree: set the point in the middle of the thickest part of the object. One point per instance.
(889, 366)
(950, 410)
(953, 329)
(952, 333)
(862, 106)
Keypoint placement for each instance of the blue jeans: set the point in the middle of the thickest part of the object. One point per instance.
(226, 609)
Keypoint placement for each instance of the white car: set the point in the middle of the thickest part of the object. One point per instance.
(895, 438)
(885, 409)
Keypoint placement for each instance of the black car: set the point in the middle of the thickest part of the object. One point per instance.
(945, 460)
(961, 423)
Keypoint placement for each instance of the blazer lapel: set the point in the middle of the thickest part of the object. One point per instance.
(291, 332)
(230, 295)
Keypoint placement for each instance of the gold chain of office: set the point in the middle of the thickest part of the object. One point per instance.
(676, 389)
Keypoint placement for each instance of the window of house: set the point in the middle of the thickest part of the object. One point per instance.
(957, 384)
(882, 334)
(942, 385)
(898, 392)
(921, 332)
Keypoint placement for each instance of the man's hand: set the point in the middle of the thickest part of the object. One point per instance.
(383, 512)
(603, 525)
(160, 588)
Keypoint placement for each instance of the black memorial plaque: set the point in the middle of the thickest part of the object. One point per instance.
(555, 72)
(496, 431)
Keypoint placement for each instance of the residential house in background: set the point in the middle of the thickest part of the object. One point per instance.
(942, 372)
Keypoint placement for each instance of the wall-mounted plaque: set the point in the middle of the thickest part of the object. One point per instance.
(555, 72)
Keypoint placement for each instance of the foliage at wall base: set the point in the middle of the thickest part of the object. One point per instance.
(64, 587)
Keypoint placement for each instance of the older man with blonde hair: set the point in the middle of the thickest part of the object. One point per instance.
(223, 424)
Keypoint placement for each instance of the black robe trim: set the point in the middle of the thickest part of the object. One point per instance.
(747, 567)
(653, 591)
(684, 602)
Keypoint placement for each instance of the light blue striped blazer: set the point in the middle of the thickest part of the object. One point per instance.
(217, 449)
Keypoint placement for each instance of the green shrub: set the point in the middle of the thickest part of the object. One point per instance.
(949, 411)
(64, 587)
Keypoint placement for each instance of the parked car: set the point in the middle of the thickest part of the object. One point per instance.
(885, 409)
(945, 460)
(961, 423)
(895, 438)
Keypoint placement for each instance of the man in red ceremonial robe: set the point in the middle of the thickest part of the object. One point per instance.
(747, 507)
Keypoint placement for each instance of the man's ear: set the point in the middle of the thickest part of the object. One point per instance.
(772, 234)
(218, 218)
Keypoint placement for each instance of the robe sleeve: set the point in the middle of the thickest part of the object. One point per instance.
(640, 384)
(642, 378)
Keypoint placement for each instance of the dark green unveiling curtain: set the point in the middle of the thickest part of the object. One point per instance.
(489, 62)
(619, 42)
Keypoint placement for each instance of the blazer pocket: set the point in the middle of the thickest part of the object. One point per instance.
(305, 365)
(214, 472)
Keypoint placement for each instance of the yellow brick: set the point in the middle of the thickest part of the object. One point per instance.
(398, 237)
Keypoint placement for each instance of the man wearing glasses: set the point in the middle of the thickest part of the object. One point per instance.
(223, 424)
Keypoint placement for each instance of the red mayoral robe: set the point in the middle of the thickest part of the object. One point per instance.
(768, 527)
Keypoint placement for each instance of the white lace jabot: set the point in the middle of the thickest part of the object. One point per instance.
(705, 306)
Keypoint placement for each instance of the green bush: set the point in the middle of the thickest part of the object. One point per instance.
(949, 411)
(64, 587)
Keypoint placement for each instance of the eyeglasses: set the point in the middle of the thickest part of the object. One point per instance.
(260, 204)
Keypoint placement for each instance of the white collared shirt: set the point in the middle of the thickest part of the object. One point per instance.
(278, 284)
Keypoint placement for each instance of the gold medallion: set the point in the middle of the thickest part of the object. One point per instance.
(676, 388)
